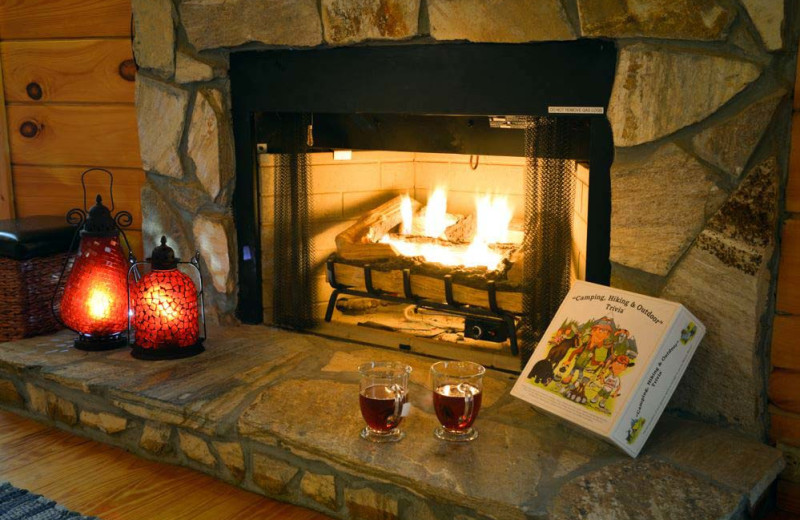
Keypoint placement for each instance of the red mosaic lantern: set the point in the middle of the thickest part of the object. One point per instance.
(166, 308)
(94, 302)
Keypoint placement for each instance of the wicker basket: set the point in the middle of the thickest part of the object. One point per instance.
(26, 290)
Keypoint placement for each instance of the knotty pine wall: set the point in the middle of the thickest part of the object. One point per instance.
(79, 54)
(784, 381)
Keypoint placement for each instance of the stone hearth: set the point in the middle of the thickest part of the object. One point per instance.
(277, 413)
(699, 113)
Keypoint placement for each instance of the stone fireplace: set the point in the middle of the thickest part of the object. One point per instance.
(698, 111)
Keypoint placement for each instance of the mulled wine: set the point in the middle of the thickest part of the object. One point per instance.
(378, 407)
(450, 403)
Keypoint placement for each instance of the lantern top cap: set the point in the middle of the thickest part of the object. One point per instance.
(99, 222)
(163, 257)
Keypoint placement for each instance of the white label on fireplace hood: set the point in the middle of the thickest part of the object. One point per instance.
(574, 110)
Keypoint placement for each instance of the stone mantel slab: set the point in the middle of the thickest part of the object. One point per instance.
(277, 413)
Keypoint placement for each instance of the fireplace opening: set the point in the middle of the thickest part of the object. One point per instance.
(451, 224)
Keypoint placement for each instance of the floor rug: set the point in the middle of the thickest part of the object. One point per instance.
(19, 504)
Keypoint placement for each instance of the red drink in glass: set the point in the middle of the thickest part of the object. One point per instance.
(378, 407)
(449, 401)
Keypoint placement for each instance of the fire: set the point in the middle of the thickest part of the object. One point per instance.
(493, 218)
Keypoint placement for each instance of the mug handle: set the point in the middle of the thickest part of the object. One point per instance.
(469, 404)
(399, 396)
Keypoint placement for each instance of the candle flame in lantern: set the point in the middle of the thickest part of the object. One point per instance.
(98, 304)
(493, 218)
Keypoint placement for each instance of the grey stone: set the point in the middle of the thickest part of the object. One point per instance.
(501, 21)
(767, 16)
(155, 437)
(658, 91)
(724, 280)
(196, 448)
(154, 35)
(210, 23)
(232, 457)
(320, 488)
(369, 504)
(728, 145)
(271, 474)
(159, 218)
(741, 234)
(189, 70)
(9, 393)
(747, 468)
(352, 21)
(616, 491)
(160, 113)
(211, 238)
(103, 421)
(659, 203)
(669, 19)
(210, 155)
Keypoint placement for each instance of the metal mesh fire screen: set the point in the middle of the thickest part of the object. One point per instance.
(293, 285)
(549, 196)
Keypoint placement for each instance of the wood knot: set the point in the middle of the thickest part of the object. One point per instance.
(29, 129)
(34, 90)
(127, 70)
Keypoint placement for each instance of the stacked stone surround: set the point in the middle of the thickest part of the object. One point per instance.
(699, 114)
(277, 414)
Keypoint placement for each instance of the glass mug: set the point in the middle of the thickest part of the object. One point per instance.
(457, 396)
(384, 399)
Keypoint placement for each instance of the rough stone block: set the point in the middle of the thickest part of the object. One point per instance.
(729, 144)
(271, 474)
(189, 70)
(37, 399)
(160, 218)
(196, 448)
(615, 491)
(669, 19)
(500, 21)
(61, 410)
(154, 40)
(232, 456)
(160, 113)
(767, 16)
(155, 437)
(210, 142)
(650, 231)
(9, 393)
(210, 23)
(105, 422)
(320, 488)
(658, 91)
(368, 504)
(352, 21)
(212, 239)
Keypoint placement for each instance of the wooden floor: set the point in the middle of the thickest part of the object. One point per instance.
(97, 479)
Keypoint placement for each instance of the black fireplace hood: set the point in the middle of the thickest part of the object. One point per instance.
(377, 97)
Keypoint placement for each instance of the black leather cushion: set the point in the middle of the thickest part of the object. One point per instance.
(31, 237)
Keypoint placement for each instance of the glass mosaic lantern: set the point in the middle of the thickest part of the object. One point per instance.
(166, 308)
(94, 301)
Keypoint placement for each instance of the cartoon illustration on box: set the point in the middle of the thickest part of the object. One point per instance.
(586, 363)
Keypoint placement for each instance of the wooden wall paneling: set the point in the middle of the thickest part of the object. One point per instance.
(6, 179)
(784, 427)
(55, 190)
(789, 269)
(793, 183)
(74, 134)
(783, 389)
(785, 335)
(95, 71)
(38, 19)
(789, 496)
